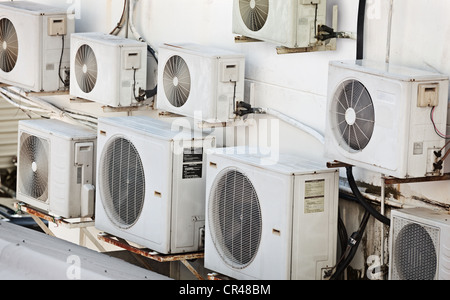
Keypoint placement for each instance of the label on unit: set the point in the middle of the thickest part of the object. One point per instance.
(192, 163)
(314, 196)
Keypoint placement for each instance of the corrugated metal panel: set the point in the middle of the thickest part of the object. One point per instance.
(9, 123)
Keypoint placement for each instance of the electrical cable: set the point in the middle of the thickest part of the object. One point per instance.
(121, 22)
(65, 82)
(352, 247)
(361, 199)
(360, 30)
(440, 134)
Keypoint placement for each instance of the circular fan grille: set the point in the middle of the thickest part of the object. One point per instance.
(86, 68)
(177, 81)
(122, 183)
(415, 254)
(235, 218)
(254, 13)
(9, 46)
(353, 116)
(34, 167)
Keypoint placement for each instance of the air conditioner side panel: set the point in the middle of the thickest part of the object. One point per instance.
(51, 54)
(314, 225)
(188, 194)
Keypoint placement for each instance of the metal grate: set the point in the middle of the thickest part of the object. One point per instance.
(235, 218)
(177, 81)
(86, 68)
(414, 251)
(254, 13)
(34, 167)
(122, 183)
(9, 45)
(353, 116)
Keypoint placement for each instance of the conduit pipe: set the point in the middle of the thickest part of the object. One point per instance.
(307, 129)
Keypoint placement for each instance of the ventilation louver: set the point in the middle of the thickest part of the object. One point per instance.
(34, 167)
(415, 255)
(254, 13)
(86, 68)
(9, 46)
(354, 115)
(123, 183)
(236, 221)
(177, 81)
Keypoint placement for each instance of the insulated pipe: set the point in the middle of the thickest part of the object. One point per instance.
(360, 31)
(362, 201)
(311, 131)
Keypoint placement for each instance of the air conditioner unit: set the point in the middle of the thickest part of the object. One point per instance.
(107, 69)
(151, 183)
(379, 117)
(269, 219)
(288, 23)
(56, 167)
(34, 46)
(200, 82)
(419, 245)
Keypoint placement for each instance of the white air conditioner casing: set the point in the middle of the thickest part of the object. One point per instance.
(288, 23)
(35, 37)
(151, 183)
(268, 219)
(378, 118)
(107, 69)
(200, 82)
(56, 167)
(419, 246)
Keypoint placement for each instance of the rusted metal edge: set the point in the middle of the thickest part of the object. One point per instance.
(337, 164)
(245, 39)
(147, 252)
(393, 180)
(56, 220)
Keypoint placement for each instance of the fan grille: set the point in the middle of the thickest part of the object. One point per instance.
(353, 116)
(254, 13)
(122, 183)
(34, 169)
(414, 255)
(9, 45)
(86, 68)
(177, 81)
(235, 218)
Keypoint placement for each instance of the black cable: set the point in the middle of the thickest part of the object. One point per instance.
(66, 84)
(352, 247)
(360, 33)
(362, 200)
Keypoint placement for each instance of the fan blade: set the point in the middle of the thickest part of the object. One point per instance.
(86, 68)
(9, 47)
